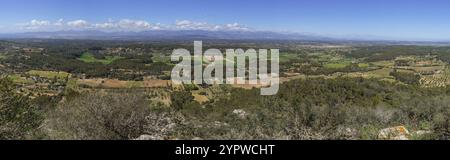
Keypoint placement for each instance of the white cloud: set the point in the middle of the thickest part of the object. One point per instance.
(35, 24)
(78, 24)
(60, 22)
(134, 24)
(189, 25)
(137, 25)
(235, 26)
(42, 25)
(39, 23)
(125, 25)
(106, 25)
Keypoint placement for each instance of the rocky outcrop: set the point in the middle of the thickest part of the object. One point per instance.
(394, 133)
(148, 137)
(240, 113)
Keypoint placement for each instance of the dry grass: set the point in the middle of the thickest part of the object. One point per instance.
(200, 98)
(114, 83)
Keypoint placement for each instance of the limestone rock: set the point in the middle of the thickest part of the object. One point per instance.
(394, 133)
(240, 113)
(148, 137)
(421, 133)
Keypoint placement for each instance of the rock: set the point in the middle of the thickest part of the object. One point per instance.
(148, 137)
(197, 139)
(348, 133)
(218, 124)
(421, 133)
(240, 113)
(394, 133)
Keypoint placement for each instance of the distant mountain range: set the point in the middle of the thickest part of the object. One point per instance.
(167, 35)
(211, 35)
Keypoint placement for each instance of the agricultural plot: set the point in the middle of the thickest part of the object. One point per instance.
(161, 58)
(441, 79)
(89, 58)
(118, 84)
(286, 57)
(49, 74)
(3, 56)
(337, 65)
(17, 79)
(385, 64)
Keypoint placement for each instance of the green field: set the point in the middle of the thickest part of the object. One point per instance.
(286, 57)
(337, 65)
(161, 58)
(363, 65)
(89, 58)
(19, 80)
(3, 56)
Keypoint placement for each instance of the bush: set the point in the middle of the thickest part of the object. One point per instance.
(180, 99)
(99, 116)
(406, 77)
(18, 118)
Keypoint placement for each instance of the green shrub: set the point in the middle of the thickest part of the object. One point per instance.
(18, 118)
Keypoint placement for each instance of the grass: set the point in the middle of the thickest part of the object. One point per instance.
(72, 83)
(49, 74)
(19, 80)
(161, 58)
(363, 65)
(199, 98)
(89, 58)
(286, 57)
(3, 56)
(111, 83)
(336, 65)
(384, 63)
(135, 84)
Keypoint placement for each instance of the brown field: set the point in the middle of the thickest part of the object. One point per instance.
(428, 69)
(113, 83)
(156, 83)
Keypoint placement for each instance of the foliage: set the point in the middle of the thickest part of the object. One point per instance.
(406, 77)
(99, 116)
(180, 98)
(342, 108)
(19, 119)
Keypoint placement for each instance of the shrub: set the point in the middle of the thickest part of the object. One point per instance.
(18, 118)
(99, 116)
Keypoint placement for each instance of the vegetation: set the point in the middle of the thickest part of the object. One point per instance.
(90, 58)
(121, 90)
(406, 77)
(19, 119)
(97, 116)
(321, 109)
(49, 74)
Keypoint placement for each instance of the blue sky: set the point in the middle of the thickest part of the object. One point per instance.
(399, 19)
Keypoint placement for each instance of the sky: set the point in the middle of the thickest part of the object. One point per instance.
(390, 19)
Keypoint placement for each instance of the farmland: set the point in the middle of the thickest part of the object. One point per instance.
(89, 58)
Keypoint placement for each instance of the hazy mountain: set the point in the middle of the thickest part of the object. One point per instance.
(167, 34)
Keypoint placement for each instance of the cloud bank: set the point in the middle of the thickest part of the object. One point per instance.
(125, 25)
